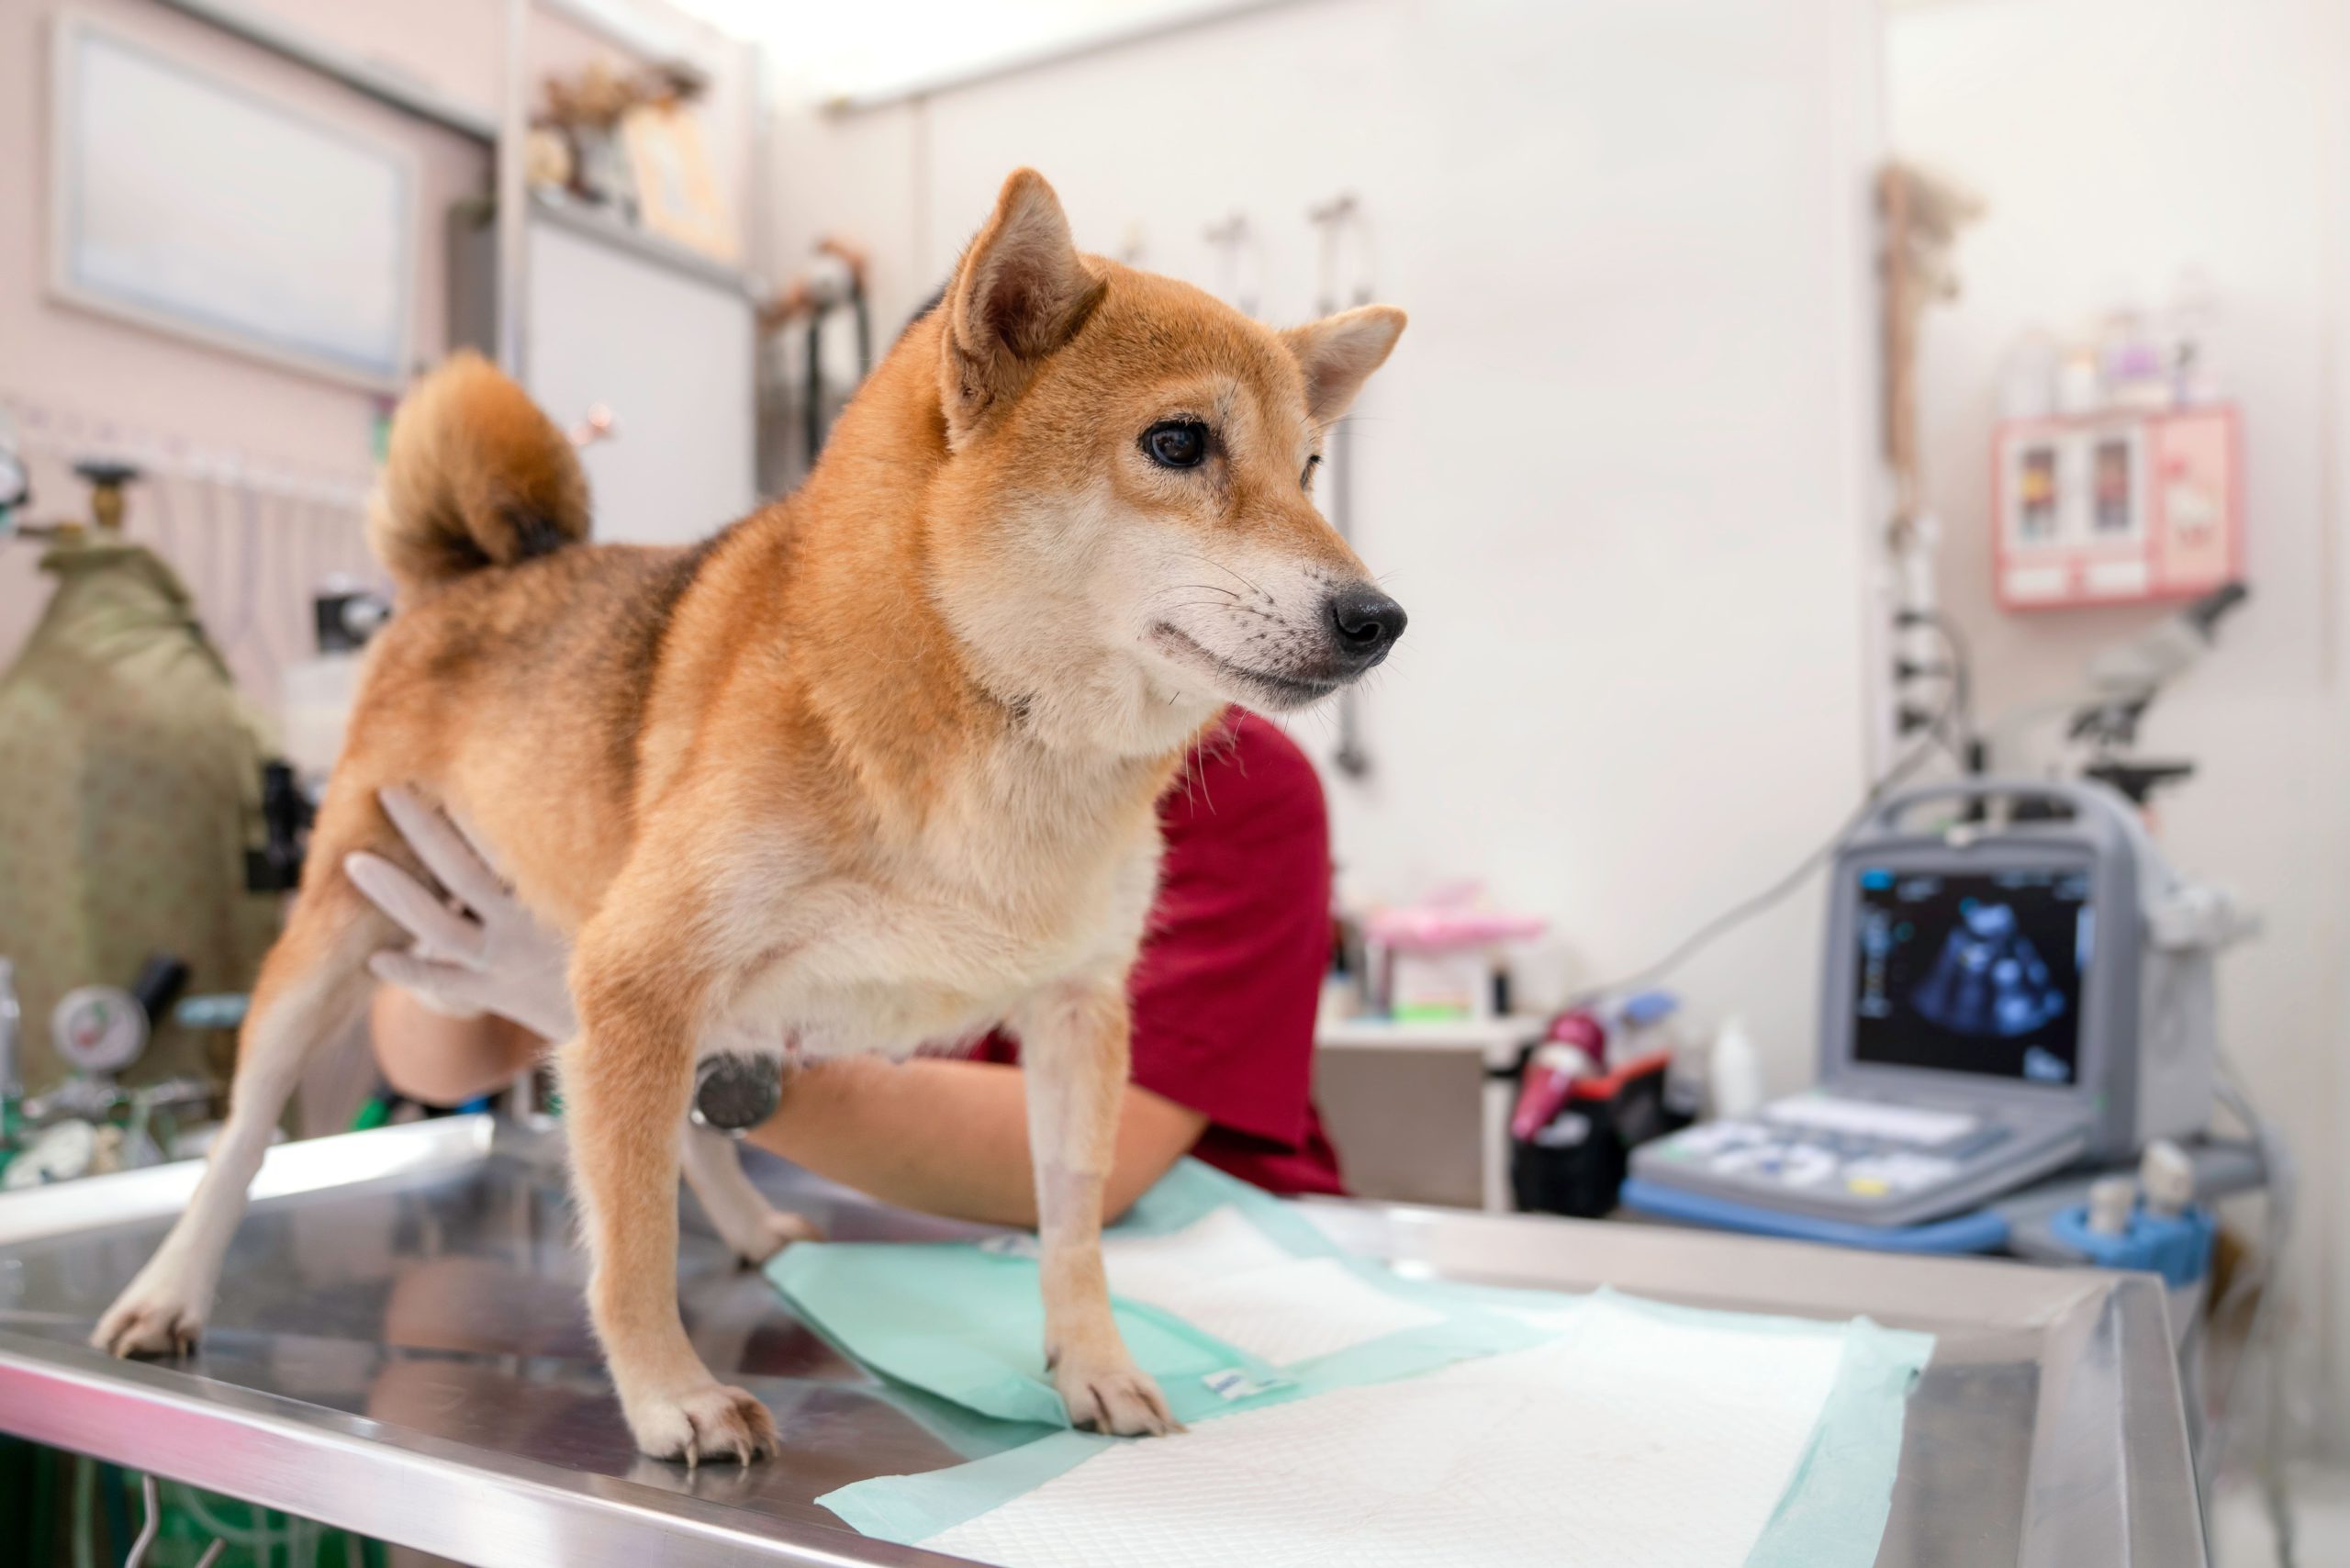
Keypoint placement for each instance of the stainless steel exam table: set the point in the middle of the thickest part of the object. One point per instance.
(400, 1350)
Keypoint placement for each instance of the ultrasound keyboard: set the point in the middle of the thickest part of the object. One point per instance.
(1877, 1163)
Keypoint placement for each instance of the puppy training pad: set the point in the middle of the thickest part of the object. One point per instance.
(1344, 1415)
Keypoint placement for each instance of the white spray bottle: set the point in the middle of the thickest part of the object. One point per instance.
(1734, 1072)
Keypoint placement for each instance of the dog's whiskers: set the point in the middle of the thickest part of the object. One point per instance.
(1220, 566)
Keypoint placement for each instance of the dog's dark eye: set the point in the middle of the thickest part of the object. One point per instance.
(1305, 480)
(1177, 443)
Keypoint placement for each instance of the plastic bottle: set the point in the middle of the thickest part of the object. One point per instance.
(2166, 1177)
(2113, 1203)
(1734, 1073)
(1576, 1046)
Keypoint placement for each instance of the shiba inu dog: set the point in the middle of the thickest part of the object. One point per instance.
(874, 768)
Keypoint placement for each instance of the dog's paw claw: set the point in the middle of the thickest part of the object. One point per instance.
(1121, 1400)
(710, 1422)
(773, 1231)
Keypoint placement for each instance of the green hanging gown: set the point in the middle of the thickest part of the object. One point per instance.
(129, 790)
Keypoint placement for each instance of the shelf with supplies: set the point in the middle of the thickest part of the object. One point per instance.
(596, 223)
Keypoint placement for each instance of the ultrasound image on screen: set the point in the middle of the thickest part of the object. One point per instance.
(1972, 973)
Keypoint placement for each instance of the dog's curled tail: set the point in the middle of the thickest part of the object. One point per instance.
(477, 476)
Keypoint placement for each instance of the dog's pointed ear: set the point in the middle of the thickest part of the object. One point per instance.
(1021, 292)
(1339, 353)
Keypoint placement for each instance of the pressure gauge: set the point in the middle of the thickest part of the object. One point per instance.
(99, 1028)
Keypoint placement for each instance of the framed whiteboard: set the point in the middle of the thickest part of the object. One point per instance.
(189, 204)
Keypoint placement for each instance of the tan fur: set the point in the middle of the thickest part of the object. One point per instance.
(874, 768)
(484, 480)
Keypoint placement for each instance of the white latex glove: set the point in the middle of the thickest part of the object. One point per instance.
(476, 951)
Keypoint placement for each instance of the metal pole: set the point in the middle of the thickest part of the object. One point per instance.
(513, 192)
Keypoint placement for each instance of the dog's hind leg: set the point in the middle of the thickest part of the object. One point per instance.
(642, 985)
(738, 1080)
(755, 1229)
(313, 979)
(1073, 1050)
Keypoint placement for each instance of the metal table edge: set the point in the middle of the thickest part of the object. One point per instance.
(2155, 1421)
(308, 1165)
(421, 1490)
(1418, 1237)
(380, 1481)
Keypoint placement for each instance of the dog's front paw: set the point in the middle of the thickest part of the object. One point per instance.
(1110, 1393)
(712, 1421)
(154, 1316)
(760, 1237)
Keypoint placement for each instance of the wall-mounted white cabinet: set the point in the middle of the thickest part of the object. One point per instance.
(665, 340)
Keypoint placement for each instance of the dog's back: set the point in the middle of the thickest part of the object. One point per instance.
(514, 682)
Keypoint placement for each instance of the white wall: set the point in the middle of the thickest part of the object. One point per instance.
(1615, 469)
(2118, 142)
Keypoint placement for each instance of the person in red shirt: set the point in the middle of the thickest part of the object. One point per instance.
(1224, 999)
(1230, 978)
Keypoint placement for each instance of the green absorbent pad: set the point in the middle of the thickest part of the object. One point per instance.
(1227, 1296)
(1342, 1413)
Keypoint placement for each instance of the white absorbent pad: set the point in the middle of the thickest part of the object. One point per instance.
(1642, 1436)
(1343, 1416)
(1226, 1276)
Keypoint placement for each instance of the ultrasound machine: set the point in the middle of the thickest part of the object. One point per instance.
(2016, 981)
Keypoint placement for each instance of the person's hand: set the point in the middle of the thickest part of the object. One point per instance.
(476, 951)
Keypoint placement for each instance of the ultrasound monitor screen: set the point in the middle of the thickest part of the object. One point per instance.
(1974, 973)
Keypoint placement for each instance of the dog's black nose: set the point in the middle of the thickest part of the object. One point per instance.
(1367, 623)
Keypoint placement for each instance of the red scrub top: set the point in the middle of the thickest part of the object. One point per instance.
(1230, 977)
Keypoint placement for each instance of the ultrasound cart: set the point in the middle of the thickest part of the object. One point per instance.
(2016, 984)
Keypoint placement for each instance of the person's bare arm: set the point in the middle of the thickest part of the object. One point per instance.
(440, 1061)
(951, 1137)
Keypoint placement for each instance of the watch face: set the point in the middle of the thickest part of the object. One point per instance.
(99, 1028)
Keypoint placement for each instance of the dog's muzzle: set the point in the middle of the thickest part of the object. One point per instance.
(733, 1093)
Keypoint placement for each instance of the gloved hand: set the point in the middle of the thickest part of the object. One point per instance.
(489, 955)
